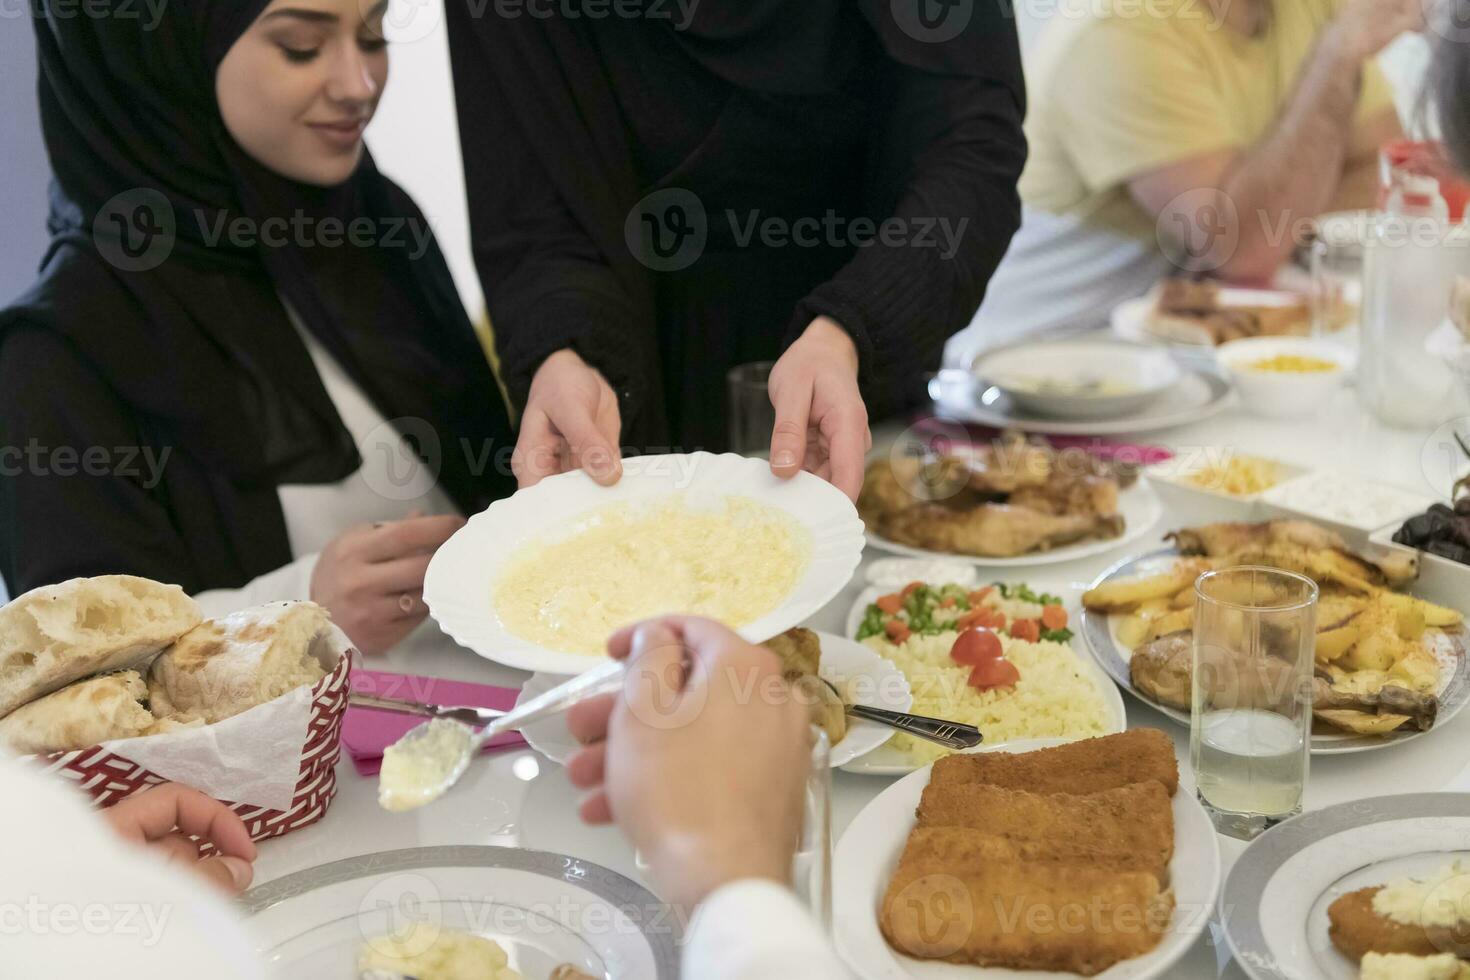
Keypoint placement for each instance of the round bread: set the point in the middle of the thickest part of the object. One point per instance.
(57, 634)
(79, 715)
(225, 666)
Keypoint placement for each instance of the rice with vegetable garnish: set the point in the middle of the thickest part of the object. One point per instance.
(1054, 694)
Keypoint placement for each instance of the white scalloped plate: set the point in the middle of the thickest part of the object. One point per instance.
(459, 586)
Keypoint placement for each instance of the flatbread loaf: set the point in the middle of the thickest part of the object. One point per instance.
(81, 714)
(225, 666)
(57, 634)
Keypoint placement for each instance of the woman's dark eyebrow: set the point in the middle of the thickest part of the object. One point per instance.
(314, 16)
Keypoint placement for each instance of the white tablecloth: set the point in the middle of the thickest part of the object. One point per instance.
(519, 799)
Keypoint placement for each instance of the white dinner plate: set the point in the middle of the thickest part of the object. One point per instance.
(851, 667)
(1130, 319)
(1200, 393)
(869, 851)
(543, 909)
(1101, 633)
(1276, 898)
(1139, 506)
(889, 761)
(463, 574)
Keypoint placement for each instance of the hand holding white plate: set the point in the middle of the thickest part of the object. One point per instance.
(464, 576)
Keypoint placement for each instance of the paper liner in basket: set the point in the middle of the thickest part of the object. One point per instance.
(275, 764)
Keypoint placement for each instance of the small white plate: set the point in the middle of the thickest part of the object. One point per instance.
(1130, 319)
(851, 667)
(1276, 898)
(1100, 630)
(889, 761)
(538, 906)
(460, 584)
(1139, 506)
(1141, 372)
(1200, 394)
(869, 851)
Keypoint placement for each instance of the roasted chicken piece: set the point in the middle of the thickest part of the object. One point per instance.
(1298, 546)
(1080, 494)
(994, 530)
(1164, 670)
(800, 651)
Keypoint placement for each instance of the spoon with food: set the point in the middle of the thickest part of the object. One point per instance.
(422, 765)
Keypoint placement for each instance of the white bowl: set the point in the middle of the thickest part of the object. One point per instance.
(1047, 378)
(460, 584)
(1284, 394)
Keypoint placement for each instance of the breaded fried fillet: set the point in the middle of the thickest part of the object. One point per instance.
(1137, 818)
(966, 846)
(1355, 929)
(800, 651)
(960, 904)
(1079, 768)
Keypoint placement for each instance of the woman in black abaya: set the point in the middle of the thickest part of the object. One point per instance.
(244, 367)
(660, 191)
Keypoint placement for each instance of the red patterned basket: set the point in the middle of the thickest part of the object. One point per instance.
(109, 778)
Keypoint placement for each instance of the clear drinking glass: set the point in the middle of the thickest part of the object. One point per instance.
(811, 874)
(1250, 730)
(751, 414)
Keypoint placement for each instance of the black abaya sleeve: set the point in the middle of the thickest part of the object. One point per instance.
(547, 284)
(948, 153)
(57, 519)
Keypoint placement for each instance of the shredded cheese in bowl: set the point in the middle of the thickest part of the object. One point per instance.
(1239, 476)
(735, 561)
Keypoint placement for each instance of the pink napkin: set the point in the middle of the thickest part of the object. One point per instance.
(366, 732)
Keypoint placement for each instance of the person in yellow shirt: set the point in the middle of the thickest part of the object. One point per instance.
(1185, 133)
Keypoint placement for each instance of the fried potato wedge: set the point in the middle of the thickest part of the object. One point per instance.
(1118, 595)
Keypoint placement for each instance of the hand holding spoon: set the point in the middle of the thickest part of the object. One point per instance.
(423, 764)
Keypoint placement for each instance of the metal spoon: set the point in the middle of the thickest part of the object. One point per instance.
(424, 763)
(950, 734)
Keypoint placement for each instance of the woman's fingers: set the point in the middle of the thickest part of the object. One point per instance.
(395, 577)
(538, 451)
(590, 448)
(412, 536)
(793, 406)
(847, 449)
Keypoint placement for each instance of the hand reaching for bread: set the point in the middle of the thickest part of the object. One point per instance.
(371, 578)
(172, 820)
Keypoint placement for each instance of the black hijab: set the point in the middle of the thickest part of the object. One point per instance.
(188, 327)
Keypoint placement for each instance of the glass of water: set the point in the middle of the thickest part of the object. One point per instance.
(811, 871)
(752, 417)
(1255, 631)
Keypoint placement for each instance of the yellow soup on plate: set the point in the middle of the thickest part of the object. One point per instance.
(734, 560)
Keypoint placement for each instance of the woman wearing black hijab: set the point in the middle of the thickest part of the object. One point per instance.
(233, 305)
(662, 190)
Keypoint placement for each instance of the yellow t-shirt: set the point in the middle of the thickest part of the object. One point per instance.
(1117, 92)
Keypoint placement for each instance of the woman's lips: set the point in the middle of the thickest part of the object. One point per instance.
(344, 135)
